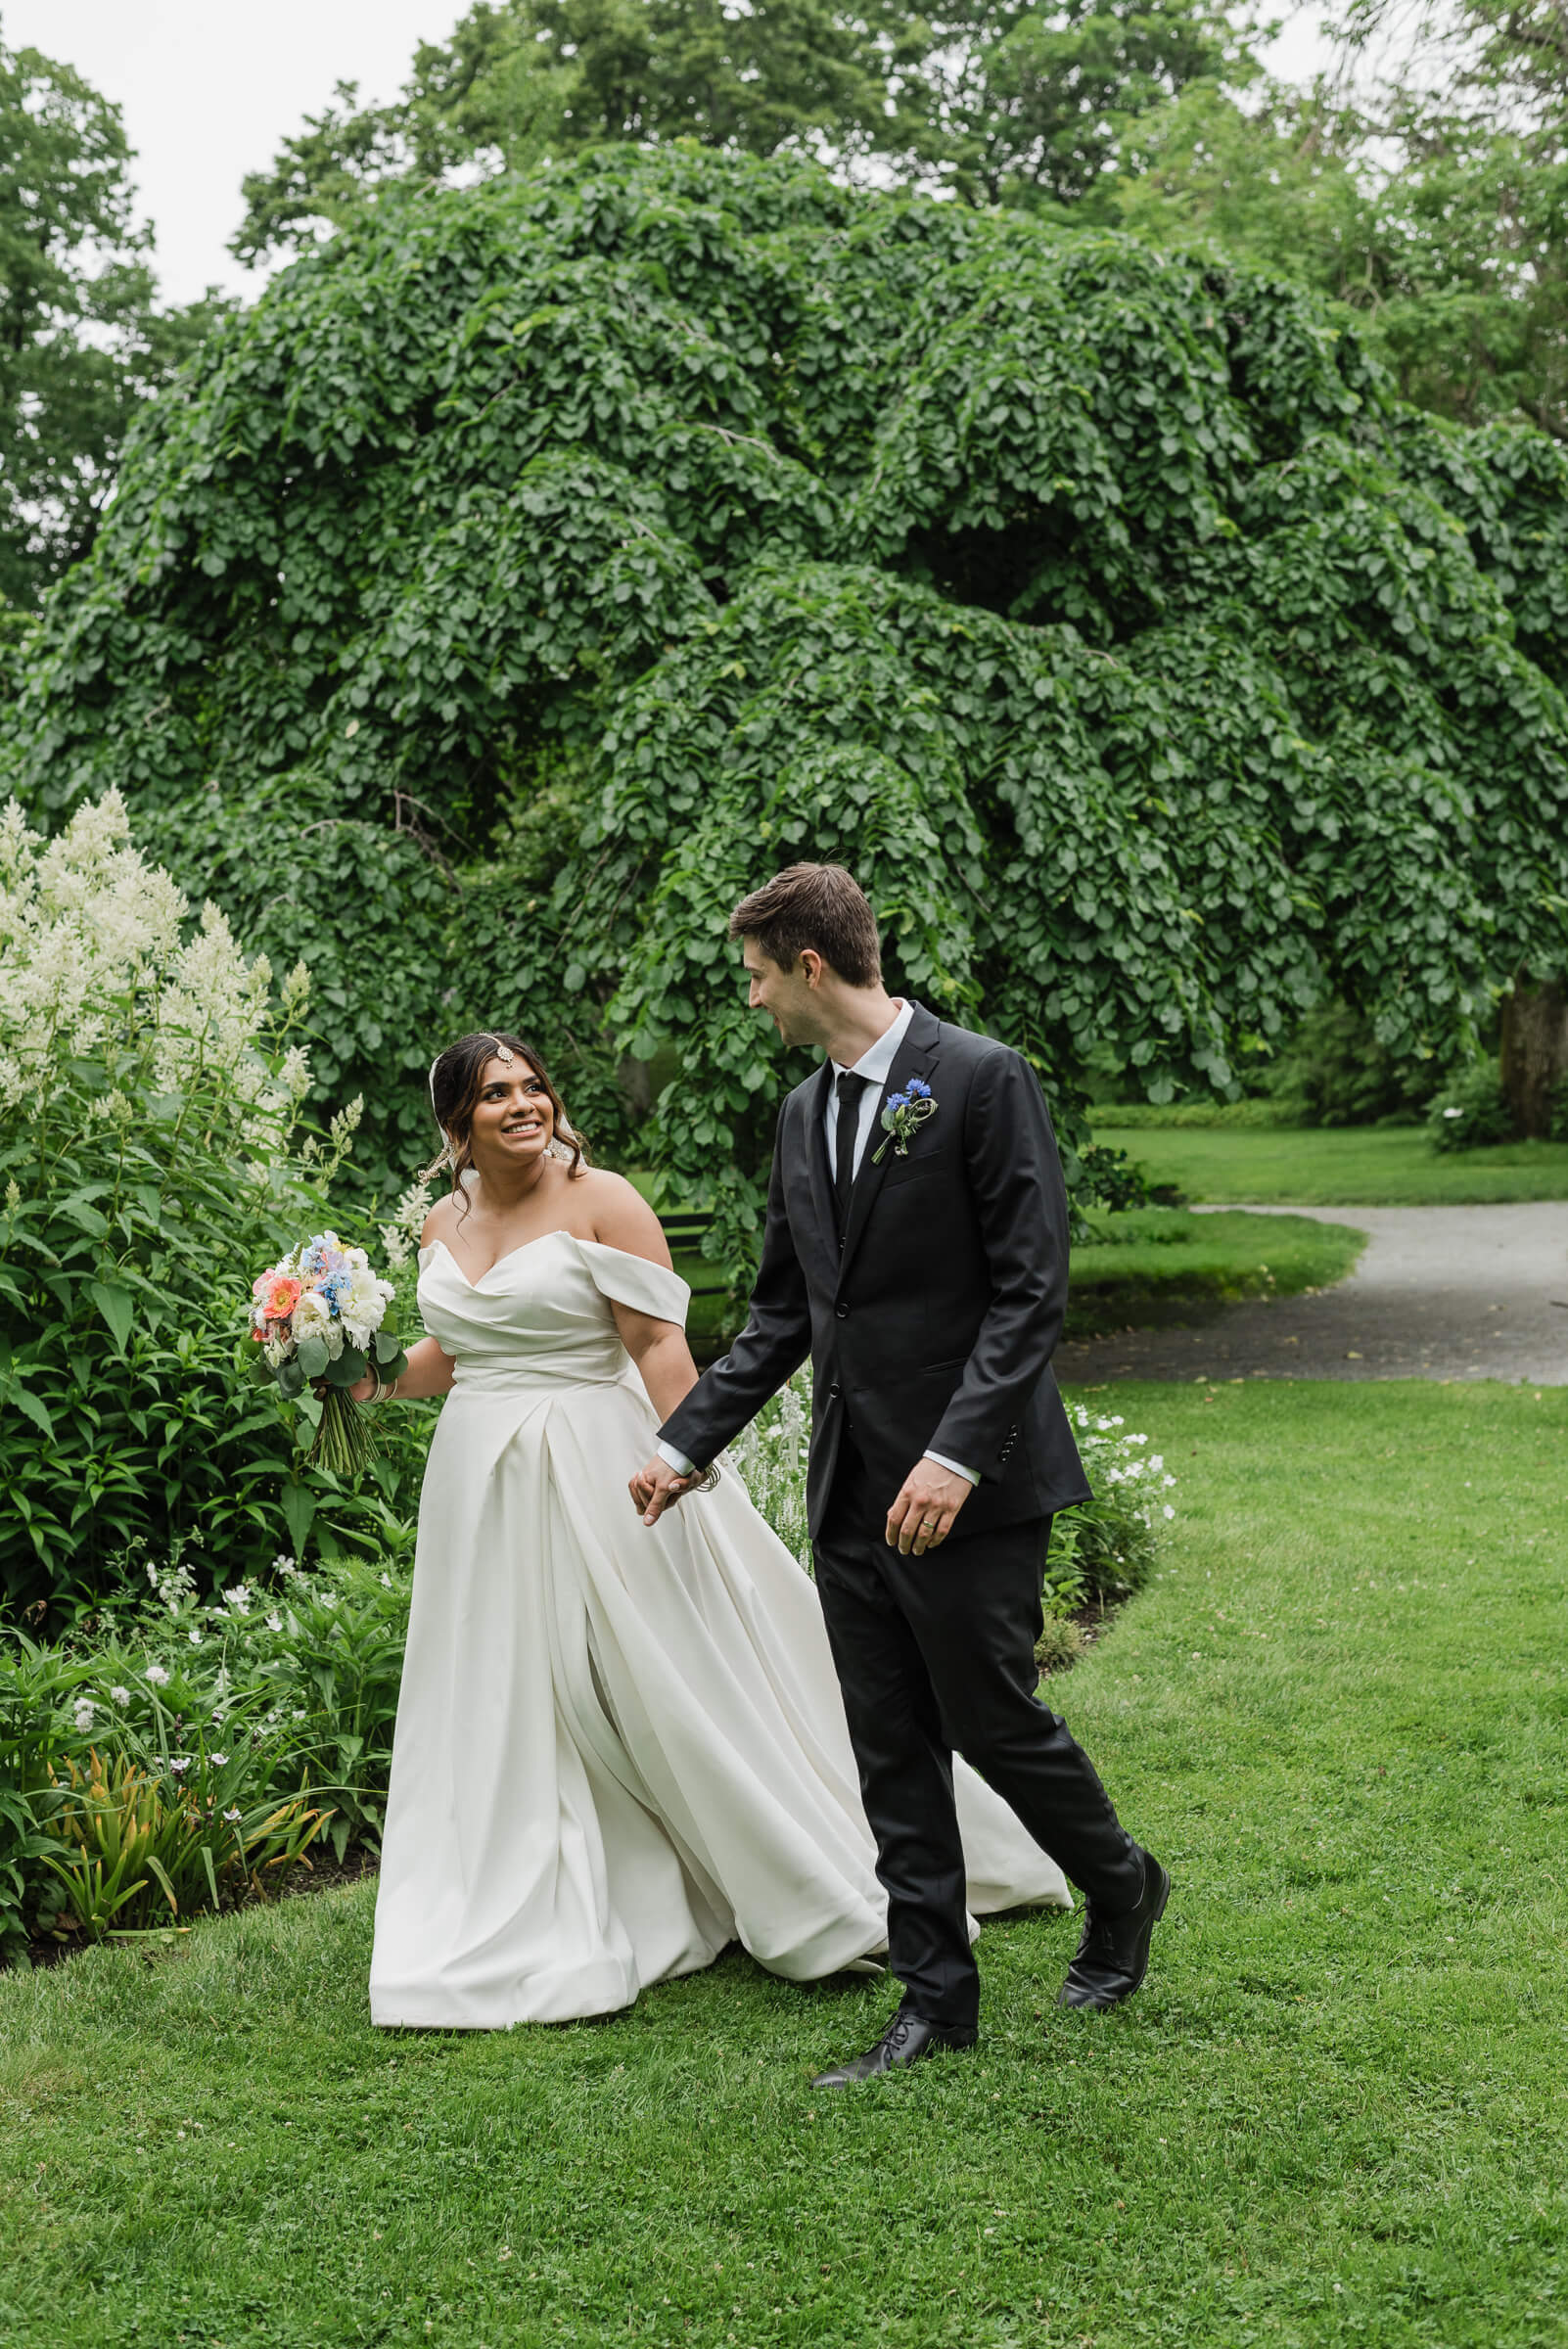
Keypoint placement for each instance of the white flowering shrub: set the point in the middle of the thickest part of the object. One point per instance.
(278, 1689)
(771, 1456)
(1099, 1552)
(151, 1163)
(1106, 1550)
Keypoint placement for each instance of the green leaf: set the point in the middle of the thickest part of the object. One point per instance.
(117, 1307)
(31, 1408)
(298, 1508)
(313, 1357)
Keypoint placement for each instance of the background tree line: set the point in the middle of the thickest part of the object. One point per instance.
(1424, 190)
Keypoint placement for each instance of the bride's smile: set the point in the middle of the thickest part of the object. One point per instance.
(513, 1121)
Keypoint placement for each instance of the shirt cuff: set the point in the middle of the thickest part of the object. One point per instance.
(957, 1466)
(677, 1460)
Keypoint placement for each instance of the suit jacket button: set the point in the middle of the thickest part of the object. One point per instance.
(834, 1391)
(843, 1311)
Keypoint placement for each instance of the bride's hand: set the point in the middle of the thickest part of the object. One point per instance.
(653, 1489)
(361, 1392)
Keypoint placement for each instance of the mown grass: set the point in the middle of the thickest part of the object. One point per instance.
(1335, 2115)
(1360, 1165)
(1156, 1265)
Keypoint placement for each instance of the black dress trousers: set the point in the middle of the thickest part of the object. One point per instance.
(936, 1655)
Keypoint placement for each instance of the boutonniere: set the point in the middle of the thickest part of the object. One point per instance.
(903, 1115)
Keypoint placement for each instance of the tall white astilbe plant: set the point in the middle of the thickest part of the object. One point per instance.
(96, 971)
(151, 1090)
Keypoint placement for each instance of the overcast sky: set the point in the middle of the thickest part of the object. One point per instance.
(208, 90)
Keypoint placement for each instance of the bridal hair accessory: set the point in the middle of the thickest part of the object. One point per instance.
(903, 1115)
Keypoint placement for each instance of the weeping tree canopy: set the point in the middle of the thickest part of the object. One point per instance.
(538, 567)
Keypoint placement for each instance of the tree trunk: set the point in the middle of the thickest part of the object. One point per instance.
(1535, 1051)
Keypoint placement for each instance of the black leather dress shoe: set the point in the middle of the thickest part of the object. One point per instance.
(906, 2039)
(1113, 1955)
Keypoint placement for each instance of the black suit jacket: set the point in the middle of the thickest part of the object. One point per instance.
(934, 1326)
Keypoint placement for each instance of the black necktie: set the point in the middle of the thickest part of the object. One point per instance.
(850, 1090)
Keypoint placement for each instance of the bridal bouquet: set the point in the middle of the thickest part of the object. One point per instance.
(318, 1316)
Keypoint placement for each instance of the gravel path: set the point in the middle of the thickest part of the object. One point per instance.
(1439, 1292)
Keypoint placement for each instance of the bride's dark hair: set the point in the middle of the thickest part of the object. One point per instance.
(456, 1080)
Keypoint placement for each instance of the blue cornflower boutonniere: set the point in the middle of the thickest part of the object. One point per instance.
(903, 1115)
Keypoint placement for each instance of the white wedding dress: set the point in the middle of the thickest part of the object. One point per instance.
(618, 1747)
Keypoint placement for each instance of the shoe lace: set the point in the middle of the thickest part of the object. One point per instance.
(896, 2032)
(1098, 1937)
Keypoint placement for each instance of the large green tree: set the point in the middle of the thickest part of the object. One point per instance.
(1440, 228)
(82, 340)
(989, 99)
(538, 566)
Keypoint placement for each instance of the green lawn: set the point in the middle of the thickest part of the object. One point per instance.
(1335, 2115)
(1159, 1264)
(1359, 1166)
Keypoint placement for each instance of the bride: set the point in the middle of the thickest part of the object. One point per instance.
(617, 1748)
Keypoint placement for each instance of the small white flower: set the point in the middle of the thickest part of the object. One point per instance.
(284, 1564)
(195, 1639)
(1157, 1459)
(1453, 1113)
(274, 1623)
(121, 1696)
(1167, 1481)
(155, 1676)
(232, 1816)
(217, 1760)
(298, 1714)
(385, 1581)
(1168, 1510)
(238, 1600)
(180, 1765)
(86, 1712)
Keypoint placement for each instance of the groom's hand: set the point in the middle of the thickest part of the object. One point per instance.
(922, 1516)
(653, 1489)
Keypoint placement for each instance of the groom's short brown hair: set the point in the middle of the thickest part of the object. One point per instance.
(816, 905)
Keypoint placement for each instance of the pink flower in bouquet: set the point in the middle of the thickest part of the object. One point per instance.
(280, 1297)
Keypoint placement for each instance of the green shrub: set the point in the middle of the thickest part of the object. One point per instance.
(1335, 1071)
(1558, 1114)
(1471, 1111)
(275, 1696)
(152, 1164)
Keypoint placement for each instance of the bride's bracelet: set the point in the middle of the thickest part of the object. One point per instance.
(384, 1389)
(708, 1479)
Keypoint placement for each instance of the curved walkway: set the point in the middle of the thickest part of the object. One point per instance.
(1439, 1292)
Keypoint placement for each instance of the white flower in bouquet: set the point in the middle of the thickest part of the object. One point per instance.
(365, 1306)
(313, 1318)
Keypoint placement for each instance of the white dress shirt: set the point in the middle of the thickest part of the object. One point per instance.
(875, 1066)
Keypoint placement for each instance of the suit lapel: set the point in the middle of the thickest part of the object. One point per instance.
(916, 1056)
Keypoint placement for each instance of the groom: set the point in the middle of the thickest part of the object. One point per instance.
(925, 1272)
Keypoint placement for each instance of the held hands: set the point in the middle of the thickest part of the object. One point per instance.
(657, 1487)
(928, 1502)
